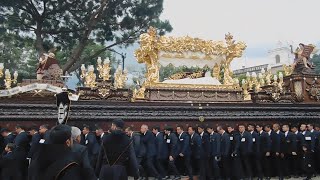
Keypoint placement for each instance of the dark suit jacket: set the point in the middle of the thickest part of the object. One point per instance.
(289, 143)
(184, 144)
(196, 146)
(215, 141)
(9, 166)
(34, 142)
(149, 140)
(9, 139)
(205, 141)
(300, 141)
(84, 160)
(246, 143)
(92, 144)
(172, 143)
(139, 148)
(255, 143)
(264, 143)
(235, 142)
(162, 148)
(114, 145)
(275, 142)
(225, 145)
(46, 137)
(51, 159)
(22, 145)
(309, 140)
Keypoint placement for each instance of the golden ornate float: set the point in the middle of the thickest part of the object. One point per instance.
(219, 54)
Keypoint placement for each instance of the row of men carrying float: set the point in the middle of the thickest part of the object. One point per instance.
(213, 153)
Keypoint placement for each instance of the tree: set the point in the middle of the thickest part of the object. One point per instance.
(316, 61)
(17, 53)
(73, 25)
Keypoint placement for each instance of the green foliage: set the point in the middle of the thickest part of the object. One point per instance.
(316, 61)
(72, 24)
(18, 54)
(167, 71)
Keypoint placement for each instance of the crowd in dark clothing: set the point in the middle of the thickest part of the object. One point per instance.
(251, 151)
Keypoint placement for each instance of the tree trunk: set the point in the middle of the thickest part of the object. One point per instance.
(39, 40)
(77, 51)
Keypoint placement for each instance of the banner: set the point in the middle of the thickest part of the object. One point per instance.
(33, 87)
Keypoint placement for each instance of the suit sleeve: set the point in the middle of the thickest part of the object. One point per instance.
(227, 144)
(207, 145)
(99, 160)
(250, 142)
(218, 144)
(186, 141)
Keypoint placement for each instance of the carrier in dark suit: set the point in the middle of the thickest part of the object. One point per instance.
(225, 150)
(90, 141)
(161, 154)
(246, 143)
(172, 143)
(185, 152)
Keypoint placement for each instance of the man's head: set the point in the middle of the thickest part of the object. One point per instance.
(251, 127)
(168, 130)
(76, 134)
(86, 129)
(285, 127)
(179, 129)
(267, 128)
(155, 130)
(33, 130)
(220, 129)
(210, 129)
(317, 127)
(259, 127)
(19, 128)
(4, 132)
(310, 127)
(303, 127)
(276, 127)
(128, 131)
(230, 129)
(43, 128)
(99, 130)
(294, 128)
(144, 128)
(10, 147)
(117, 124)
(241, 128)
(191, 130)
(61, 134)
(201, 129)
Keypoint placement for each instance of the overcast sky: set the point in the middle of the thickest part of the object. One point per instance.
(259, 23)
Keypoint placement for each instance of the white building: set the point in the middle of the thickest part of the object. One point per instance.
(275, 58)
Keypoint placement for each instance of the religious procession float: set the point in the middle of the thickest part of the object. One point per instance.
(208, 95)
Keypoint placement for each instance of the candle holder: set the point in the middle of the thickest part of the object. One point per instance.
(104, 69)
(89, 76)
(1, 70)
(120, 77)
(8, 80)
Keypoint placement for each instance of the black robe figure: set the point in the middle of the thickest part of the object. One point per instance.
(63, 104)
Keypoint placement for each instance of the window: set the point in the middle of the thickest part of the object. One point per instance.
(277, 59)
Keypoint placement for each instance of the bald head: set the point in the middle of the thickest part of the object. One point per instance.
(144, 128)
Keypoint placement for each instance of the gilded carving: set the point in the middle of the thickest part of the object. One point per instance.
(151, 45)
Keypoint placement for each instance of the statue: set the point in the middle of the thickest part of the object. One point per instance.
(302, 63)
(48, 67)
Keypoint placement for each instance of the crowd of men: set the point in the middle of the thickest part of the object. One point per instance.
(222, 152)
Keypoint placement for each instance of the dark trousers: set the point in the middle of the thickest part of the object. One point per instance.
(256, 165)
(160, 165)
(204, 168)
(186, 162)
(173, 168)
(226, 167)
(216, 169)
(266, 165)
(245, 159)
(148, 164)
(278, 163)
(296, 165)
(236, 168)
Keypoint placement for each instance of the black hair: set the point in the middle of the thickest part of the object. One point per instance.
(18, 126)
(156, 128)
(46, 126)
(181, 127)
(11, 146)
(168, 128)
(193, 128)
(33, 128)
(60, 134)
